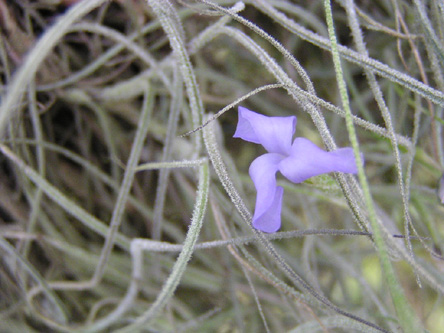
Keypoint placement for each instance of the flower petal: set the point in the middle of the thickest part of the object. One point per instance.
(270, 220)
(274, 133)
(308, 160)
(267, 212)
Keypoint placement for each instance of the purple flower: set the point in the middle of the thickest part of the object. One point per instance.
(297, 161)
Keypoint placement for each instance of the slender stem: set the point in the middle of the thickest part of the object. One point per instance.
(406, 315)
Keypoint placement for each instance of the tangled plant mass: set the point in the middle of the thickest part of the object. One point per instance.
(297, 161)
(112, 159)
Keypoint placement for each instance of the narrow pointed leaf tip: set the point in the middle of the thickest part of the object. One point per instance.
(297, 161)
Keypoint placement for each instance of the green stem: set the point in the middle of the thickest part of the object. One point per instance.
(407, 317)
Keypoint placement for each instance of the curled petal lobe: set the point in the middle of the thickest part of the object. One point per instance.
(270, 220)
(307, 160)
(267, 213)
(274, 133)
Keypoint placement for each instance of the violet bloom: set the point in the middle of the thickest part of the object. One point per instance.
(297, 161)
